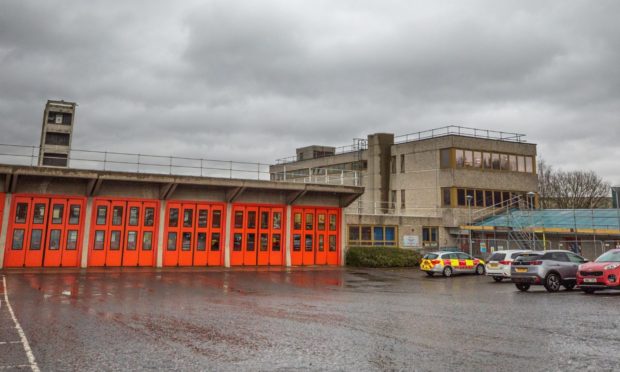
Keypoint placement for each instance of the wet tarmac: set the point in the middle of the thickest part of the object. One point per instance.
(335, 319)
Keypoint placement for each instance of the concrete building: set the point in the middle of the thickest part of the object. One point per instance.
(56, 133)
(421, 187)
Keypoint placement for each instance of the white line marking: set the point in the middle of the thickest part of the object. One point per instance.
(10, 342)
(22, 335)
(16, 366)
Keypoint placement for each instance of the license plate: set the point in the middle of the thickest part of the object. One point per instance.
(589, 280)
(521, 270)
(493, 265)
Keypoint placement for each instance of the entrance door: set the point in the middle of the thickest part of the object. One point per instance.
(277, 232)
(133, 222)
(321, 237)
(238, 239)
(264, 236)
(19, 236)
(251, 229)
(309, 243)
(216, 232)
(100, 232)
(55, 232)
(36, 241)
(187, 235)
(72, 237)
(146, 245)
(201, 253)
(171, 254)
(115, 245)
(297, 233)
(333, 238)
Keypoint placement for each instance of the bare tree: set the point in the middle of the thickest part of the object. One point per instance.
(571, 189)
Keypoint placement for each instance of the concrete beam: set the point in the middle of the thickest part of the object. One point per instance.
(294, 196)
(346, 200)
(94, 187)
(13, 185)
(167, 190)
(7, 182)
(234, 193)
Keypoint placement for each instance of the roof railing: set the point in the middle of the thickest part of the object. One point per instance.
(457, 130)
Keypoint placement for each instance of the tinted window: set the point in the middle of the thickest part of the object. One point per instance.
(21, 212)
(217, 219)
(555, 256)
(497, 257)
(173, 218)
(431, 256)
(575, 259)
(463, 256)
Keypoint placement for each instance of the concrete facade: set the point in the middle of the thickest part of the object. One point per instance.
(56, 133)
(405, 182)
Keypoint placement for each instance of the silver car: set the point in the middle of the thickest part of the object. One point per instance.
(552, 270)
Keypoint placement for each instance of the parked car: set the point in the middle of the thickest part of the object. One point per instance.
(553, 269)
(499, 263)
(603, 273)
(450, 263)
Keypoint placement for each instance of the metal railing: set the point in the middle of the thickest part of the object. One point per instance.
(359, 145)
(169, 165)
(390, 209)
(460, 131)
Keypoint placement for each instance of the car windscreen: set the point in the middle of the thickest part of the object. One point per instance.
(497, 257)
(613, 256)
(431, 256)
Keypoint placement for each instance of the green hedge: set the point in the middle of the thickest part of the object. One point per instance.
(382, 257)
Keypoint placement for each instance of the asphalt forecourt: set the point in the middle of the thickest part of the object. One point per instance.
(311, 319)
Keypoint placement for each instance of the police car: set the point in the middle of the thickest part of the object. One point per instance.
(450, 263)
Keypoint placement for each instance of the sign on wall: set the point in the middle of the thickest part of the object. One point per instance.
(411, 241)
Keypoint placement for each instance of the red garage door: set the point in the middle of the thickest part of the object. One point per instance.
(194, 232)
(315, 236)
(257, 234)
(123, 232)
(45, 231)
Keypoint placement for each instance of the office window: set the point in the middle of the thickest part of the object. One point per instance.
(512, 163)
(486, 160)
(393, 164)
(402, 163)
(479, 198)
(460, 197)
(521, 163)
(469, 158)
(392, 199)
(504, 162)
(529, 164)
(402, 199)
(495, 163)
(446, 197)
(488, 198)
(429, 236)
(471, 197)
(377, 235)
(460, 158)
(477, 159)
(444, 158)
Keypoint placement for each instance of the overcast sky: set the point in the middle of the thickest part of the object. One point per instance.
(253, 80)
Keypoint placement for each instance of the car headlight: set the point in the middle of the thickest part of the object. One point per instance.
(611, 267)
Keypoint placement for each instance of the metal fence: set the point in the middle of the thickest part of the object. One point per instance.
(170, 165)
(460, 131)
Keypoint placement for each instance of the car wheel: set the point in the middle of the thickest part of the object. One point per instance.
(552, 282)
(588, 290)
(522, 287)
(480, 270)
(569, 286)
(429, 273)
(447, 271)
(498, 278)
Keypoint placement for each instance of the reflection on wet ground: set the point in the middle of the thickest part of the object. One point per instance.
(317, 319)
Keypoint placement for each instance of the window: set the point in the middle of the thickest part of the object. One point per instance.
(57, 139)
(469, 158)
(479, 198)
(251, 242)
(332, 243)
(251, 220)
(460, 158)
(309, 245)
(54, 240)
(497, 197)
(72, 237)
(393, 164)
(444, 158)
(321, 222)
(132, 237)
(264, 220)
(495, 163)
(215, 242)
(38, 217)
(264, 242)
(134, 216)
(488, 198)
(115, 240)
(186, 241)
(117, 216)
(275, 242)
(297, 221)
(18, 239)
(521, 163)
(74, 214)
(471, 197)
(216, 221)
(309, 221)
(332, 222)
(203, 216)
(402, 199)
(237, 240)
(392, 199)
(460, 196)
(296, 242)
(429, 236)
(486, 160)
(99, 240)
(477, 159)
(35, 239)
(147, 241)
(172, 241)
(321, 247)
(575, 259)
(57, 212)
(504, 162)
(173, 219)
(21, 213)
(446, 197)
(402, 163)
(149, 216)
(529, 164)
(512, 163)
(188, 217)
(377, 235)
(239, 219)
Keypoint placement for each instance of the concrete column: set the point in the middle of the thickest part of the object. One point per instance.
(4, 228)
(159, 262)
(287, 235)
(86, 235)
(227, 230)
(343, 237)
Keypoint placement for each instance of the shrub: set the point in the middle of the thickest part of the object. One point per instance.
(381, 257)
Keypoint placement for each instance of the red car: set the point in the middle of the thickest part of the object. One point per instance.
(600, 274)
